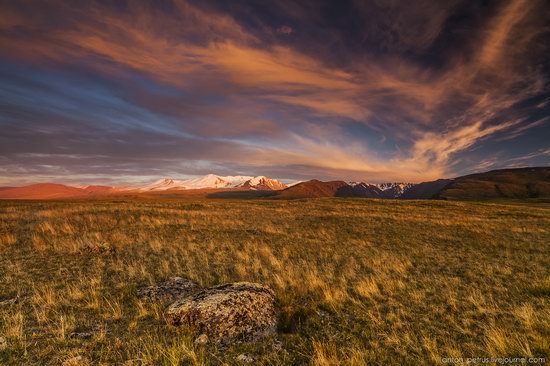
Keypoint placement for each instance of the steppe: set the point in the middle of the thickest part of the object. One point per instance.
(356, 281)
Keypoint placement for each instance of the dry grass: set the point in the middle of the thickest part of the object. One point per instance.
(357, 281)
(7, 239)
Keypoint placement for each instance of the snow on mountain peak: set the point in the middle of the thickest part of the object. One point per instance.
(394, 189)
(215, 181)
(161, 184)
(385, 190)
(207, 181)
(386, 186)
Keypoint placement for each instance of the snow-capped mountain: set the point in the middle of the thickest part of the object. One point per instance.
(262, 182)
(360, 189)
(161, 185)
(381, 190)
(393, 190)
(207, 181)
(214, 181)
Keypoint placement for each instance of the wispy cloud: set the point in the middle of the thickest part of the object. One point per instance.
(209, 79)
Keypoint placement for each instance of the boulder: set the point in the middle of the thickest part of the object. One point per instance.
(172, 289)
(235, 311)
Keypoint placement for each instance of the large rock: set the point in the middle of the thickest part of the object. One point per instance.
(234, 311)
(172, 289)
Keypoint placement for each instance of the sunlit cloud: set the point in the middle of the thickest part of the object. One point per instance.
(257, 97)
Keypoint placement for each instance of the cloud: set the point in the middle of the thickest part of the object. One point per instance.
(236, 93)
(437, 148)
(525, 128)
(285, 29)
(500, 30)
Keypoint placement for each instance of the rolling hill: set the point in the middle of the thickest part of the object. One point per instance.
(313, 189)
(426, 190)
(42, 191)
(505, 183)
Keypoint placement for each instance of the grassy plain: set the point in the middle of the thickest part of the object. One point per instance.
(357, 281)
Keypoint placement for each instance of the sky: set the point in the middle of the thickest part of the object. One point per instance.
(109, 92)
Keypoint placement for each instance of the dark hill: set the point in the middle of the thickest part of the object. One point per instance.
(312, 189)
(359, 190)
(505, 183)
(426, 190)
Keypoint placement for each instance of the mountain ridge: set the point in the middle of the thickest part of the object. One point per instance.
(517, 183)
(214, 181)
(166, 185)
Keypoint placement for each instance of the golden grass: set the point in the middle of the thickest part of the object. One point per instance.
(7, 239)
(356, 281)
(13, 325)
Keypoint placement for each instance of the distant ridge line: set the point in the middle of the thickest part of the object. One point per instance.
(516, 183)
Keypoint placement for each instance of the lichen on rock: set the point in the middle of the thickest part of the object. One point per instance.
(172, 289)
(229, 312)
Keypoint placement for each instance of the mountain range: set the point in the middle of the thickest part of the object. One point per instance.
(506, 183)
(212, 181)
(207, 182)
(520, 183)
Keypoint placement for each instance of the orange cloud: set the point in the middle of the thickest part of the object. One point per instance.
(500, 30)
(451, 108)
